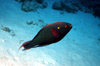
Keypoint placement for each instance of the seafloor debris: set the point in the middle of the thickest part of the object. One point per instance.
(61, 5)
(39, 1)
(98, 41)
(70, 6)
(57, 5)
(44, 5)
(12, 33)
(7, 29)
(40, 20)
(39, 23)
(20, 0)
(92, 7)
(98, 25)
(96, 10)
(29, 22)
(61, 12)
(32, 5)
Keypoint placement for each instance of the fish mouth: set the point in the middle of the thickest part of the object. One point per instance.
(70, 25)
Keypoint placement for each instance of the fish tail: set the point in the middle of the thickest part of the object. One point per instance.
(25, 45)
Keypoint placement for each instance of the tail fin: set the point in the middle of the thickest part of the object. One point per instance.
(24, 45)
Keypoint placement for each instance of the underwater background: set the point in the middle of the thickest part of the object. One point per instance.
(21, 20)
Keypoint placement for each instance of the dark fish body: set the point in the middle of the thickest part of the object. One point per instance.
(49, 34)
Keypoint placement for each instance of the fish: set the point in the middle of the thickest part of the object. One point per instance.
(49, 34)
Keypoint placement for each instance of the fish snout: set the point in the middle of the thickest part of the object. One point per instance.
(70, 25)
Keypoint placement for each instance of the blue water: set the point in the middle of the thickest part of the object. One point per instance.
(80, 47)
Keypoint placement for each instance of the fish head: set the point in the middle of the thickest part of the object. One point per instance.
(63, 27)
(60, 29)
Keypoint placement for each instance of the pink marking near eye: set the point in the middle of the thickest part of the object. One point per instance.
(65, 26)
(55, 33)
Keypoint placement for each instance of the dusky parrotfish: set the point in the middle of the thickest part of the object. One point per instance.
(49, 34)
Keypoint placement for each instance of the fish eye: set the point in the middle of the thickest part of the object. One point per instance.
(65, 26)
(58, 27)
